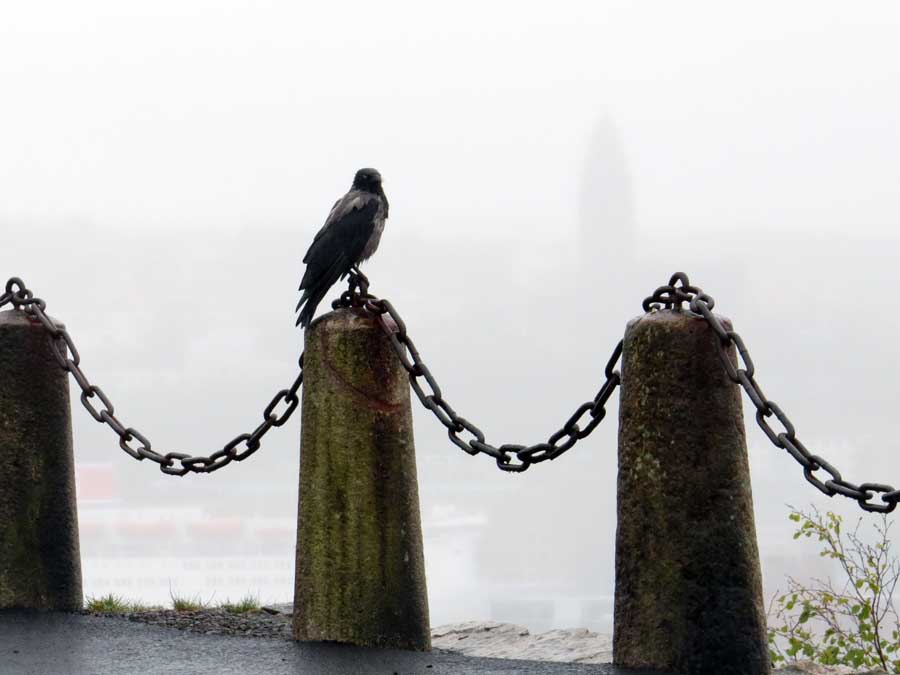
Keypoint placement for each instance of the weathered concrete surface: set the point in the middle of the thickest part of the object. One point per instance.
(40, 562)
(688, 592)
(360, 575)
(810, 668)
(43, 643)
(500, 640)
(495, 639)
(72, 644)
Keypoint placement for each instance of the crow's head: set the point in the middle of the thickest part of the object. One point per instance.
(368, 180)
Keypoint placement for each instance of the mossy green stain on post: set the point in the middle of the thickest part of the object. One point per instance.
(40, 564)
(688, 595)
(360, 575)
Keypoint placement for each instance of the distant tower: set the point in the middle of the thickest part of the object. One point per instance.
(607, 219)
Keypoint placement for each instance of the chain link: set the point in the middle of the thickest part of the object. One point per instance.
(99, 406)
(769, 416)
(463, 433)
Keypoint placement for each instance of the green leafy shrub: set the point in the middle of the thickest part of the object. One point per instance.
(852, 622)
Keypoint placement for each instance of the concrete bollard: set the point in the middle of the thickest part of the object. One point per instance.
(360, 575)
(688, 595)
(40, 563)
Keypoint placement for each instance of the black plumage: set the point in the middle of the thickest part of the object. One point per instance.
(350, 235)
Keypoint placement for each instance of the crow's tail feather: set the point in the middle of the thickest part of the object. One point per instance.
(310, 301)
(315, 290)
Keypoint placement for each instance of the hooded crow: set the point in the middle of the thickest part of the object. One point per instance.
(350, 235)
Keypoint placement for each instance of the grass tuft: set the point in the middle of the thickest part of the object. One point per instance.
(109, 604)
(114, 604)
(186, 604)
(248, 603)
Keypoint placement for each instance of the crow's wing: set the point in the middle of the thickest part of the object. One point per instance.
(346, 198)
(341, 240)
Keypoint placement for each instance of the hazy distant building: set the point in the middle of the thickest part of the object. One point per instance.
(607, 219)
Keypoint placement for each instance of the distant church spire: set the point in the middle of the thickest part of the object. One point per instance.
(607, 218)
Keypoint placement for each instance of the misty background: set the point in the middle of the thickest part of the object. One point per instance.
(164, 167)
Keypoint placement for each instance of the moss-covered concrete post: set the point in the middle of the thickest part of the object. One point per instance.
(360, 575)
(40, 562)
(688, 595)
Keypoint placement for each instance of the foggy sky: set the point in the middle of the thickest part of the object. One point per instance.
(162, 171)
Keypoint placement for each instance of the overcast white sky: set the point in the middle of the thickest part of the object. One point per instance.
(163, 169)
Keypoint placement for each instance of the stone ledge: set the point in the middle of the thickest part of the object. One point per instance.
(495, 639)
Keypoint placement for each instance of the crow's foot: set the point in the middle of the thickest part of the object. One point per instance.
(354, 270)
(359, 286)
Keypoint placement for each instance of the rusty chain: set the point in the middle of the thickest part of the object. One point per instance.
(678, 291)
(173, 463)
(590, 413)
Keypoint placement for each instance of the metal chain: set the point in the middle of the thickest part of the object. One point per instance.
(671, 296)
(678, 291)
(173, 463)
(426, 388)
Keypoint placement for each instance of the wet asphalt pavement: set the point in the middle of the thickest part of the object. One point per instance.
(33, 643)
